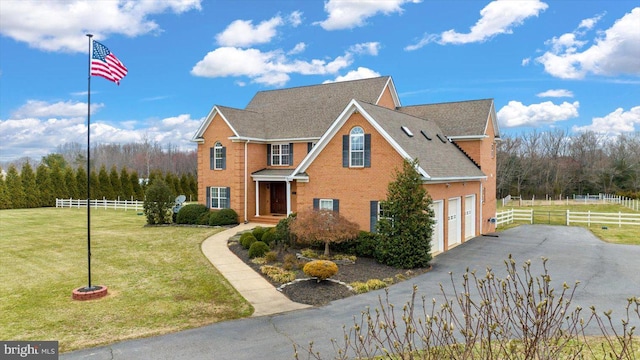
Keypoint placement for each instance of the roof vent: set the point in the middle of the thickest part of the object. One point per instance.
(442, 138)
(407, 131)
(425, 135)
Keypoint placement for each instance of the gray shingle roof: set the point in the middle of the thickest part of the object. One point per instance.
(300, 112)
(438, 159)
(462, 118)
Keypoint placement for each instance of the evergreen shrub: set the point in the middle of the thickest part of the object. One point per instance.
(191, 213)
(269, 236)
(203, 219)
(223, 217)
(320, 269)
(258, 249)
(258, 231)
(247, 239)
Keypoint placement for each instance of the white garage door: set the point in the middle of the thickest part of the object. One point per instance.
(469, 216)
(453, 225)
(437, 239)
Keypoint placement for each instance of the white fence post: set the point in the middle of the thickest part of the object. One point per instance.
(104, 203)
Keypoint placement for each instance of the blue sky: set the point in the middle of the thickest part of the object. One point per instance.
(573, 65)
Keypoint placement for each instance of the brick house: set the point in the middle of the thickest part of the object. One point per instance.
(337, 146)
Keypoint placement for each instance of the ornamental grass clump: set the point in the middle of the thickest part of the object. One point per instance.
(278, 274)
(320, 269)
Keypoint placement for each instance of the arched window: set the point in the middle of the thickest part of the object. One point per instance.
(356, 147)
(218, 154)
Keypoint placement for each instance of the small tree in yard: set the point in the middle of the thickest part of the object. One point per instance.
(158, 203)
(406, 226)
(325, 226)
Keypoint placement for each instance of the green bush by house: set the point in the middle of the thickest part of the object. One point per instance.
(191, 214)
(223, 217)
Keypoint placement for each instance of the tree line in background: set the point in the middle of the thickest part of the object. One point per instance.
(143, 158)
(56, 177)
(557, 164)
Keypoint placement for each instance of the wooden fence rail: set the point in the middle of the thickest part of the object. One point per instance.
(589, 218)
(511, 215)
(572, 217)
(101, 204)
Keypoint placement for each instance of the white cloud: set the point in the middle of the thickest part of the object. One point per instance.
(589, 23)
(272, 67)
(295, 18)
(300, 47)
(360, 73)
(556, 93)
(243, 33)
(37, 108)
(526, 61)
(615, 51)
(348, 14)
(61, 25)
(615, 123)
(369, 48)
(498, 17)
(38, 136)
(517, 114)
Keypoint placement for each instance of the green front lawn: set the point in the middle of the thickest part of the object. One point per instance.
(159, 281)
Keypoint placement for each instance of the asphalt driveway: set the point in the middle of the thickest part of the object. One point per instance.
(609, 274)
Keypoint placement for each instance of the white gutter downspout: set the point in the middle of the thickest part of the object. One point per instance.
(481, 206)
(246, 185)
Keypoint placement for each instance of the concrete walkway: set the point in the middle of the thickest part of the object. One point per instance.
(266, 300)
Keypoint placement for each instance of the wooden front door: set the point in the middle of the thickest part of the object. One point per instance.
(278, 198)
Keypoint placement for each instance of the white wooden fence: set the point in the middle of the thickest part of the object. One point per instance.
(101, 204)
(508, 216)
(601, 198)
(589, 218)
(633, 204)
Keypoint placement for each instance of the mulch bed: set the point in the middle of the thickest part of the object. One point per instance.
(321, 293)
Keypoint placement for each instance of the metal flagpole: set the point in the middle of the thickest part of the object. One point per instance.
(88, 166)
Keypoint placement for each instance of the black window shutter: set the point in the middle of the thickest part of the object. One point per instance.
(290, 153)
(228, 198)
(367, 150)
(373, 213)
(268, 154)
(316, 204)
(309, 147)
(224, 157)
(336, 205)
(212, 152)
(208, 197)
(345, 150)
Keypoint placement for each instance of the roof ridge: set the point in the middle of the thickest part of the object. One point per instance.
(398, 112)
(323, 84)
(235, 108)
(448, 102)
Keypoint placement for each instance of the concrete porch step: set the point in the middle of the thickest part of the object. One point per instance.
(267, 219)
